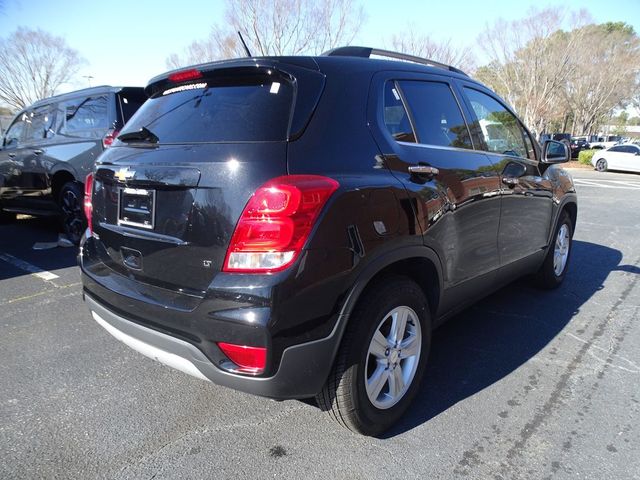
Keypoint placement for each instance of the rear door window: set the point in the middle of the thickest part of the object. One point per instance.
(230, 108)
(436, 114)
(396, 118)
(38, 123)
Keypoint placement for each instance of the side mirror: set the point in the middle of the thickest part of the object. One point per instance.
(554, 152)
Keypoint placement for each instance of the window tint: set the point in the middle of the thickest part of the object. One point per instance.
(129, 104)
(616, 149)
(80, 117)
(437, 116)
(14, 134)
(37, 124)
(234, 108)
(502, 131)
(396, 118)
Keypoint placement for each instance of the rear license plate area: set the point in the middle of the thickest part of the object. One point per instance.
(136, 207)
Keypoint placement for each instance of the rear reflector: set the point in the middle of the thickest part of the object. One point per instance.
(249, 359)
(185, 75)
(88, 204)
(276, 223)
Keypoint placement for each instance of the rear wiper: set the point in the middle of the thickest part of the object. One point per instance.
(143, 135)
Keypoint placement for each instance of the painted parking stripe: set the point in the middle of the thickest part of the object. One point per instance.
(27, 267)
(591, 183)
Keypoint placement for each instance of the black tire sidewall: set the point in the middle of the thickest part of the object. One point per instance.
(404, 293)
(79, 192)
(549, 278)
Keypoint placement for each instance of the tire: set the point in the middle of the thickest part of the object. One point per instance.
(554, 268)
(362, 360)
(601, 165)
(71, 206)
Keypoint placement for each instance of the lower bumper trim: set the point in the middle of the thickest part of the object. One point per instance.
(302, 372)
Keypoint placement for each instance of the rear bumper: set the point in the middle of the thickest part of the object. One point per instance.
(301, 373)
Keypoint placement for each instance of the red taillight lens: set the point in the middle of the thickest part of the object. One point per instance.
(108, 139)
(88, 205)
(185, 75)
(249, 359)
(276, 223)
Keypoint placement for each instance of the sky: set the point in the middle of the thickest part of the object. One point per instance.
(127, 42)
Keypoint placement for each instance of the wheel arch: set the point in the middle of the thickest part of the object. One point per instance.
(419, 263)
(58, 180)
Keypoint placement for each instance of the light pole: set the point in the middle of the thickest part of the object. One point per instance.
(88, 77)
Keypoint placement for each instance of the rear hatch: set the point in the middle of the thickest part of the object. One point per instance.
(169, 193)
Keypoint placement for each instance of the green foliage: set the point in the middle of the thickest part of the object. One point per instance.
(585, 156)
(622, 27)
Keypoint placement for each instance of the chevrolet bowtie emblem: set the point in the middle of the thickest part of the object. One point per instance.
(124, 174)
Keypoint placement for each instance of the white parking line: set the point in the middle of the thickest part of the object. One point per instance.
(27, 267)
(598, 184)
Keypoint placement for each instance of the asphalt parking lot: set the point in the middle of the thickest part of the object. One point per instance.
(526, 384)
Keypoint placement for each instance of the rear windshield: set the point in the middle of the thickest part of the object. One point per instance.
(246, 108)
(130, 102)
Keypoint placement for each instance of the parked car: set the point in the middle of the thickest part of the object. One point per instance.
(605, 142)
(50, 147)
(577, 145)
(297, 226)
(620, 157)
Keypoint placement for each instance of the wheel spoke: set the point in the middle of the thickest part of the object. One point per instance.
(379, 345)
(410, 347)
(399, 325)
(396, 382)
(377, 381)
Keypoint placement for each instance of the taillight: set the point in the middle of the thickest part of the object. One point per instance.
(185, 75)
(88, 205)
(276, 223)
(108, 139)
(248, 359)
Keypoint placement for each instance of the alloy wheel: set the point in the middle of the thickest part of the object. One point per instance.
(393, 357)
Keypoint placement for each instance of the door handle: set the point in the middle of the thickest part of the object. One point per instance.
(423, 170)
(38, 151)
(510, 181)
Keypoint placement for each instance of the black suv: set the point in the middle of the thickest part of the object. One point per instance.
(297, 226)
(50, 147)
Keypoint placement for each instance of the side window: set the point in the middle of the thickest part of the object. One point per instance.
(437, 116)
(14, 134)
(616, 149)
(37, 124)
(83, 117)
(501, 130)
(396, 118)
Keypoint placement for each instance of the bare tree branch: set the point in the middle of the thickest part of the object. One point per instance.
(33, 65)
(422, 45)
(276, 27)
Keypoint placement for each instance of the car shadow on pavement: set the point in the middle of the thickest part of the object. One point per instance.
(491, 339)
(18, 238)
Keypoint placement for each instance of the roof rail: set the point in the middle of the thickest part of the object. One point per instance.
(366, 52)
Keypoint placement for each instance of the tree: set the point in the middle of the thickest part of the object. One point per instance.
(529, 63)
(421, 45)
(276, 27)
(33, 65)
(605, 70)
